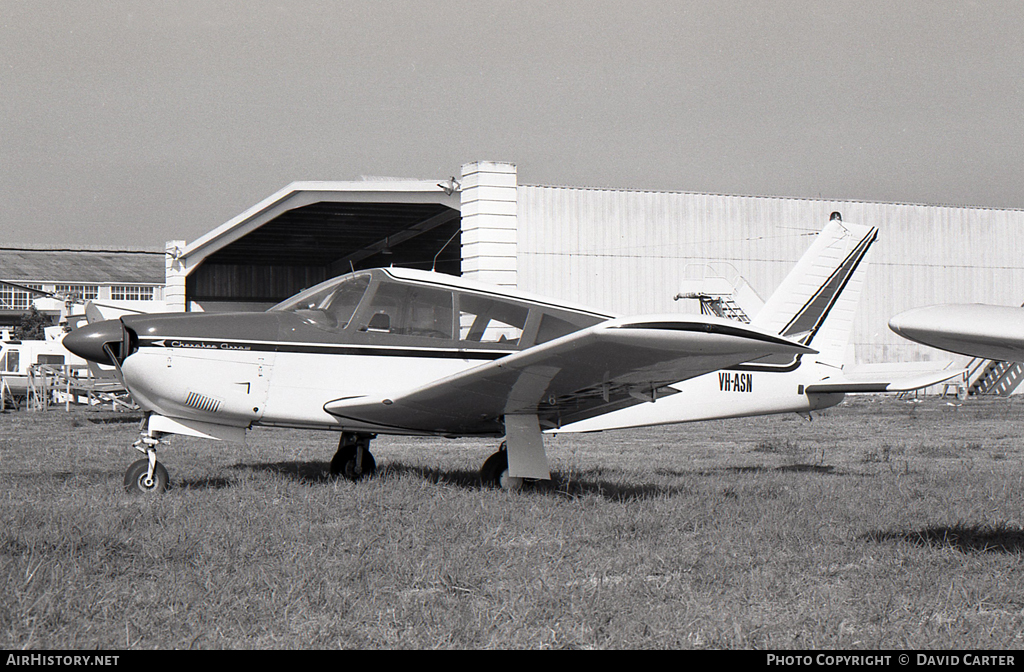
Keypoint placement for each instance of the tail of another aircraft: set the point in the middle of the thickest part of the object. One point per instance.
(816, 303)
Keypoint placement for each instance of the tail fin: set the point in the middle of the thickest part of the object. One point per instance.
(816, 303)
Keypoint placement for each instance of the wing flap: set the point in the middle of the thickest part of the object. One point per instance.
(601, 366)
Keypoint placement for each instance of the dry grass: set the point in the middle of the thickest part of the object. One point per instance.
(881, 524)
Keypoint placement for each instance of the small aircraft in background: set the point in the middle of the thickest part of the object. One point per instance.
(399, 351)
(18, 356)
(973, 329)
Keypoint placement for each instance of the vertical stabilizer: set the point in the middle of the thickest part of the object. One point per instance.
(817, 302)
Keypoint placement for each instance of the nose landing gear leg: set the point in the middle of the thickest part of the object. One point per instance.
(147, 475)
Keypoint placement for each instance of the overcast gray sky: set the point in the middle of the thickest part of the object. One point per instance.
(131, 123)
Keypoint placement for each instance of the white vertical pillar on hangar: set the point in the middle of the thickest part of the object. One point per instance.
(489, 222)
(174, 275)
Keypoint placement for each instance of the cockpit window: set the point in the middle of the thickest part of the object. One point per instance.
(409, 310)
(329, 305)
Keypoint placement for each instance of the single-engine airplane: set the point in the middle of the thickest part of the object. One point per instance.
(399, 351)
(973, 329)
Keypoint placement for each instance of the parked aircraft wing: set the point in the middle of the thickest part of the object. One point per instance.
(609, 365)
(890, 377)
(974, 329)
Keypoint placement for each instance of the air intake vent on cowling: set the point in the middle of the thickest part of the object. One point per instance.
(202, 403)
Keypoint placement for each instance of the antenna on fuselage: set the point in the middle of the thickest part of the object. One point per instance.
(433, 264)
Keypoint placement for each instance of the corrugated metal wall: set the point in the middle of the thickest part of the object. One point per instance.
(627, 251)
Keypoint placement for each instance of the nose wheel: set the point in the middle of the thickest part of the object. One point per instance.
(137, 478)
(146, 476)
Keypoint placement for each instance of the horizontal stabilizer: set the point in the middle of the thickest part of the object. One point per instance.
(888, 377)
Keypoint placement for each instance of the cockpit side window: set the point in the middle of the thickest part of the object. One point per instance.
(329, 305)
(409, 310)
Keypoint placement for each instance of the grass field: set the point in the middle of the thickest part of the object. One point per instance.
(881, 524)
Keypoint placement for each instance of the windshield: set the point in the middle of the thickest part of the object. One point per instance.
(331, 304)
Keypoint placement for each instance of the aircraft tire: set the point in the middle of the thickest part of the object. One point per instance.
(136, 474)
(344, 464)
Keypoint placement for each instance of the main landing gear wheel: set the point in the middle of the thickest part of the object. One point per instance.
(136, 478)
(494, 473)
(348, 462)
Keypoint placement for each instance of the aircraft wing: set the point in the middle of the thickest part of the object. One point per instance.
(602, 368)
(894, 377)
(974, 329)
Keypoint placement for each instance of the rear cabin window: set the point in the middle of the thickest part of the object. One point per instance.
(552, 327)
(409, 310)
(487, 320)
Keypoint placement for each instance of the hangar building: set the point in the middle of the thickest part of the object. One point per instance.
(620, 250)
(132, 278)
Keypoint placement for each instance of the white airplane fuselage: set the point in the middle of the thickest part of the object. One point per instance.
(217, 383)
(218, 374)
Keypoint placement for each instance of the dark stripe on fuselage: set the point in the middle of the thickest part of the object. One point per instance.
(193, 344)
(768, 368)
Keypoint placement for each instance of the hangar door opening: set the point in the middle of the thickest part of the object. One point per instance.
(308, 244)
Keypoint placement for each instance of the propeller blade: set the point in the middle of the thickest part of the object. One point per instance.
(121, 308)
(32, 290)
(92, 313)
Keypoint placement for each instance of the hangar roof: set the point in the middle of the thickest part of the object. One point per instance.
(81, 265)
